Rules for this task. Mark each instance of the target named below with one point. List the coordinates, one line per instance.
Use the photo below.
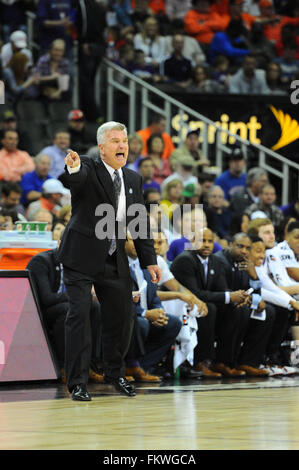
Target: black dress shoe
(79, 393)
(122, 386)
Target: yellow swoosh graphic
(289, 128)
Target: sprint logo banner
(289, 128)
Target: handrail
(168, 101)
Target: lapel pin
(212, 271)
(130, 190)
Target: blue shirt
(31, 182)
(230, 183)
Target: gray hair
(109, 126)
(255, 174)
(212, 189)
(38, 157)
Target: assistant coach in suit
(92, 259)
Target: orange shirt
(157, 6)
(220, 6)
(13, 165)
(203, 26)
(168, 144)
(273, 31)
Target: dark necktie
(117, 188)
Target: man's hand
(192, 300)
(239, 297)
(157, 316)
(72, 159)
(155, 272)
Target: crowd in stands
(249, 240)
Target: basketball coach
(91, 260)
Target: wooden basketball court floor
(227, 414)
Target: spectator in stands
(53, 70)
(14, 163)
(55, 20)
(10, 122)
(52, 192)
(191, 220)
(157, 125)
(158, 330)
(171, 196)
(17, 43)
(143, 70)
(261, 48)
(150, 41)
(206, 181)
(234, 178)
(190, 148)
(12, 17)
(10, 198)
(274, 79)
(81, 138)
(31, 183)
(201, 23)
(16, 78)
(220, 72)
(57, 231)
(248, 80)
(147, 170)
(252, 333)
(200, 272)
(47, 274)
(162, 170)
(218, 216)
(239, 223)
(57, 152)
(289, 65)
(266, 204)
(191, 48)
(184, 171)
(177, 68)
(244, 197)
(7, 219)
(230, 42)
(235, 12)
(273, 23)
(65, 213)
(44, 215)
(135, 147)
(201, 82)
(125, 60)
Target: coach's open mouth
(120, 154)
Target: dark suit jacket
(188, 270)
(80, 249)
(152, 298)
(46, 275)
(234, 278)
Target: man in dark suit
(252, 334)
(157, 329)
(47, 274)
(200, 272)
(91, 256)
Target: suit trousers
(115, 296)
